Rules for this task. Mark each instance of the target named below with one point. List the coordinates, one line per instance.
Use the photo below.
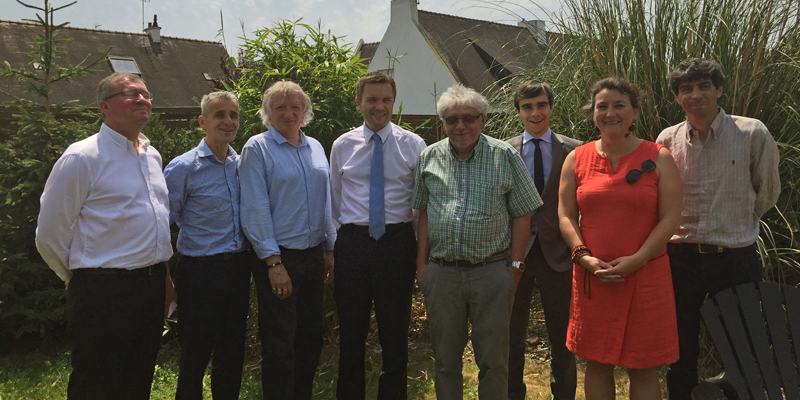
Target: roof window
(124, 64)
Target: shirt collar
(546, 137)
(475, 150)
(204, 151)
(716, 125)
(121, 141)
(281, 140)
(383, 133)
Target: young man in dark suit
(548, 257)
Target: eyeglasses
(635, 174)
(133, 94)
(467, 118)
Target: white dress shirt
(351, 159)
(105, 206)
(729, 181)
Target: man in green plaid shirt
(475, 198)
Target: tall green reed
(757, 43)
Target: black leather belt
(364, 229)
(118, 271)
(707, 248)
(217, 257)
(467, 264)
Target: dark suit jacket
(544, 221)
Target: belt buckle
(717, 249)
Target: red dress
(630, 324)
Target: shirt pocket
(488, 202)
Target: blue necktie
(538, 166)
(377, 213)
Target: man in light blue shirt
(213, 276)
(286, 215)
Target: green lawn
(37, 376)
(43, 375)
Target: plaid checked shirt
(471, 202)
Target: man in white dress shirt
(104, 229)
(372, 180)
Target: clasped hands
(613, 271)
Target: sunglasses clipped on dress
(635, 174)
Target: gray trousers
(482, 296)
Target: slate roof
(368, 51)
(175, 77)
(481, 54)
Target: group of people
(624, 238)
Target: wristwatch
(518, 265)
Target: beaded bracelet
(578, 252)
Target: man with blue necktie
(548, 256)
(372, 180)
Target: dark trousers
(555, 289)
(213, 299)
(115, 324)
(382, 272)
(695, 275)
(291, 329)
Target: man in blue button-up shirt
(213, 277)
(286, 215)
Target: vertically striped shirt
(729, 181)
(470, 203)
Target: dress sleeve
(764, 157)
(256, 215)
(175, 176)
(523, 196)
(65, 192)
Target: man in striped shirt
(729, 169)
(475, 198)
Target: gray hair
(289, 90)
(459, 95)
(206, 102)
(108, 83)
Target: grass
(38, 376)
(44, 374)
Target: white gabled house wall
(417, 68)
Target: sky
(200, 19)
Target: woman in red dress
(619, 203)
